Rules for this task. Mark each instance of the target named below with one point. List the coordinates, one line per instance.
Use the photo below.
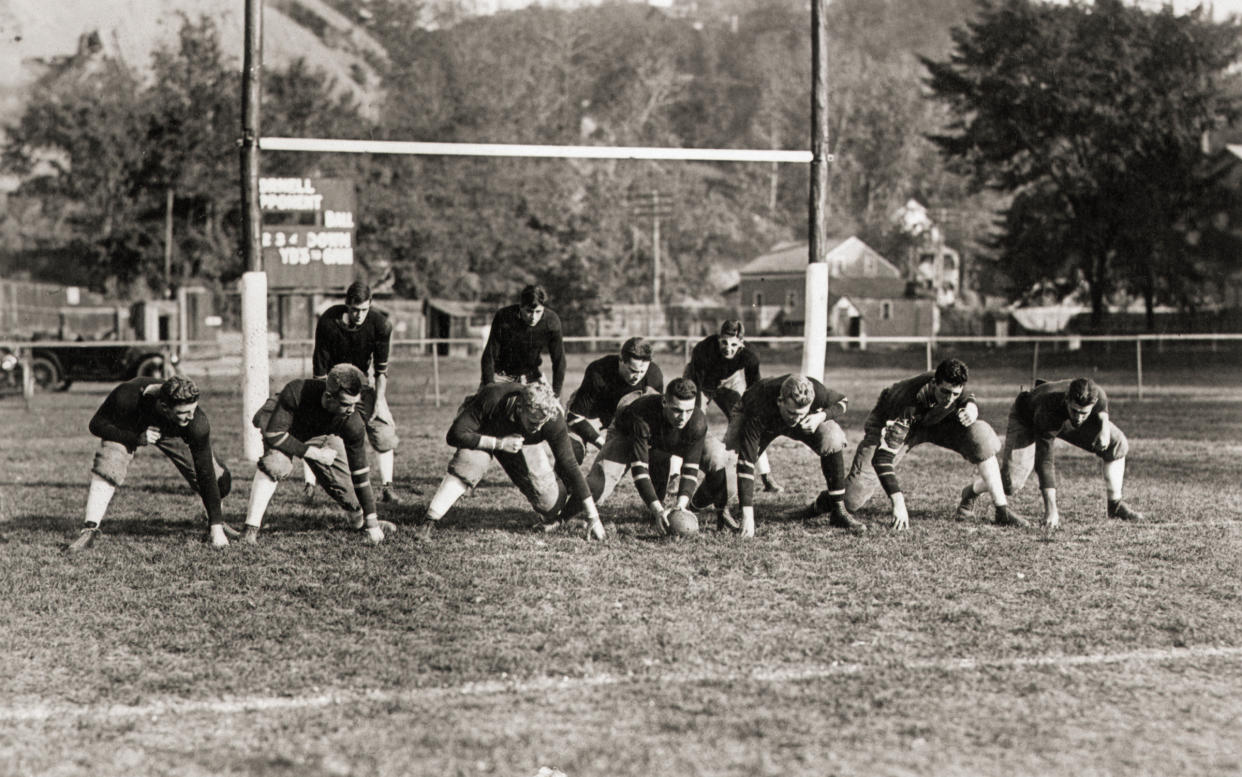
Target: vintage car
(56, 365)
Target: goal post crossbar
(346, 146)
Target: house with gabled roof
(868, 295)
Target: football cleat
(804, 513)
(843, 520)
(230, 532)
(1122, 511)
(966, 507)
(388, 496)
(308, 492)
(1007, 517)
(86, 539)
(726, 521)
(250, 535)
(423, 528)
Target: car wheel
(151, 367)
(45, 372)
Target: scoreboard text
(308, 232)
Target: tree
(1091, 116)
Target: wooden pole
(815, 327)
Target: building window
(886, 311)
(758, 301)
(791, 299)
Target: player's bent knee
(275, 465)
(469, 466)
(111, 463)
(981, 442)
(829, 438)
(1118, 446)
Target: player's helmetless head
(344, 394)
(537, 404)
(531, 304)
(680, 399)
(731, 336)
(1080, 401)
(635, 360)
(950, 381)
(357, 303)
(178, 400)
(797, 396)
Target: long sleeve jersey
(363, 346)
(130, 409)
(644, 423)
(910, 403)
(761, 420)
(708, 368)
(513, 346)
(493, 412)
(1043, 410)
(602, 388)
(299, 416)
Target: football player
(166, 414)
(320, 420)
(518, 335)
(606, 380)
(932, 407)
(1072, 410)
(723, 367)
(507, 422)
(651, 435)
(359, 334)
(801, 409)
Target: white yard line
(248, 704)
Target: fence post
(435, 369)
(928, 345)
(686, 348)
(1035, 364)
(1138, 361)
(28, 381)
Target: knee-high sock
(989, 472)
(98, 497)
(449, 491)
(833, 468)
(308, 474)
(261, 492)
(1114, 475)
(385, 459)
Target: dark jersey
(602, 388)
(643, 422)
(493, 412)
(708, 368)
(913, 400)
(513, 347)
(1044, 412)
(762, 421)
(130, 409)
(299, 416)
(364, 346)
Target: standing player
(518, 335)
(723, 367)
(801, 409)
(319, 420)
(507, 422)
(358, 334)
(1075, 411)
(930, 407)
(649, 437)
(605, 382)
(147, 411)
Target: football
(682, 523)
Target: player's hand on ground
(595, 529)
(1052, 521)
(320, 455)
(901, 518)
(150, 437)
(660, 516)
(748, 524)
(510, 444)
(968, 414)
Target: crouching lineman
(320, 420)
(606, 380)
(650, 435)
(507, 422)
(801, 409)
(1075, 411)
(147, 411)
(930, 407)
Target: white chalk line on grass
(43, 712)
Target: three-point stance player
(166, 414)
(1075, 411)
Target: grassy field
(955, 648)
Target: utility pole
(816, 324)
(255, 368)
(655, 205)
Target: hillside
(36, 34)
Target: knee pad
(1118, 446)
(275, 465)
(829, 438)
(383, 440)
(982, 442)
(111, 463)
